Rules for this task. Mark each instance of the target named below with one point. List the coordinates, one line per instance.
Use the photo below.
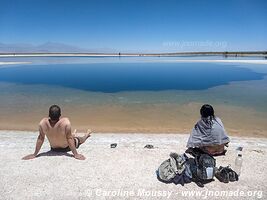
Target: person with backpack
(208, 139)
(208, 134)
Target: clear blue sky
(137, 25)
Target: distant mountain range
(53, 47)
(49, 47)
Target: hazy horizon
(54, 47)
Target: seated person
(208, 135)
(58, 132)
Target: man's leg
(81, 139)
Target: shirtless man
(58, 132)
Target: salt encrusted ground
(126, 172)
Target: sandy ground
(126, 172)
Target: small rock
(149, 146)
(113, 145)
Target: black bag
(226, 174)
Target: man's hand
(28, 157)
(79, 157)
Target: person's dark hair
(207, 111)
(54, 112)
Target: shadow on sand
(54, 153)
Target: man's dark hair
(54, 112)
(207, 111)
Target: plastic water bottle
(238, 164)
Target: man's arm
(39, 143)
(71, 143)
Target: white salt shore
(14, 63)
(125, 172)
(260, 62)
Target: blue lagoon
(134, 94)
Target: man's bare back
(56, 133)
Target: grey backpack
(205, 167)
(173, 166)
